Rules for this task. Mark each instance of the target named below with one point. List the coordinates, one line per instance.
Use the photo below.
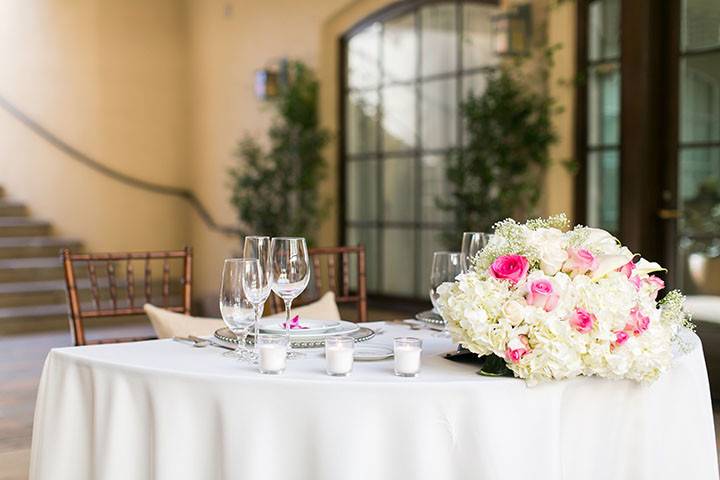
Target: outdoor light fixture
(513, 30)
(269, 80)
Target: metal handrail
(121, 177)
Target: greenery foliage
(275, 191)
(498, 174)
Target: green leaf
(495, 366)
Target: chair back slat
(176, 299)
(148, 280)
(317, 273)
(130, 279)
(166, 282)
(93, 284)
(332, 279)
(346, 274)
(345, 292)
(112, 282)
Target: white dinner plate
(369, 353)
(344, 328)
(310, 326)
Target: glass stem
(288, 303)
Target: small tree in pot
(275, 192)
(498, 173)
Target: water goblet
(445, 267)
(290, 271)
(235, 306)
(472, 243)
(258, 247)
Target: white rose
(514, 312)
(552, 249)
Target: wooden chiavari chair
(331, 272)
(115, 305)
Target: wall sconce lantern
(513, 31)
(269, 80)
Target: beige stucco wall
(110, 78)
(163, 89)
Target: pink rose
(656, 284)
(627, 269)
(517, 348)
(582, 320)
(510, 267)
(580, 260)
(542, 294)
(638, 322)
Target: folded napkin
(170, 324)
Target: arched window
(405, 72)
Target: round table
(166, 410)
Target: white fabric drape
(165, 410)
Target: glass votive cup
(272, 353)
(339, 355)
(407, 352)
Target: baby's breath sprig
(510, 238)
(672, 309)
(559, 221)
(578, 236)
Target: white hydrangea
(603, 319)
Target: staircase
(32, 286)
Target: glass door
(697, 238)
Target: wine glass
(259, 247)
(235, 306)
(445, 267)
(290, 271)
(472, 243)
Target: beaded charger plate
(429, 316)
(362, 334)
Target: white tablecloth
(165, 410)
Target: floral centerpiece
(554, 303)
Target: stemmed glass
(235, 306)
(290, 269)
(445, 267)
(259, 248)
(472, 243)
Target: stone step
(31, 269)
(30, 247)
(41, 318)
(52, 292)
(9, 208)
(23, 227)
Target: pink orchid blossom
(580, 261)
(510, 267)
(620, 338)
(638, 322)
(294, 324)
(656, 284)
(627, 269)
(636, 281)
(517, 348)
(582, 320)
(542, 294)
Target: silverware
(199, 342)
(193, 340)
(417, 325)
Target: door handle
(668, 213)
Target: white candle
(407, 360)
(273, 358)
(338, 359)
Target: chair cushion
(324, 308)
(170, 324)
